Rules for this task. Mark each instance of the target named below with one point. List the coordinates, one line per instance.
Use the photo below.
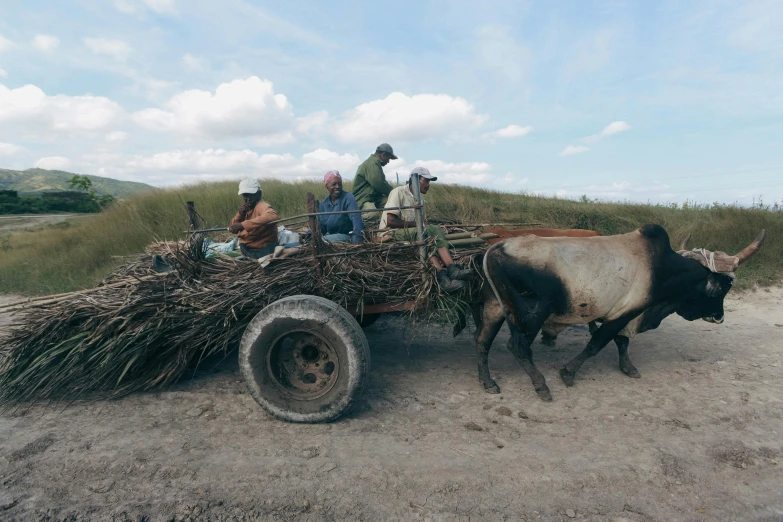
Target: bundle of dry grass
(141, 330)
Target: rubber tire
(332, 322)
(367, 320)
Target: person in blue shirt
(337, 227)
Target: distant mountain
(40, 180)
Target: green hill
(40, 180)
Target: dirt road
(698, 437)
(20, 222)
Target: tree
(84, 183)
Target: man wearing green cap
(370, 187)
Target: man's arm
(253, 223)
(395, 221)
(240, 216)
(235, 226)
(377, 180)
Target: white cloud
(5, 43)
(311, 122)
(117, 49)
(53, 163)
(620, 191)
(615, 127)
(512, 131)
(594, 52)
(180, 166)
(157, 6)
(241, 108)
(162, 6)
(573, 149)
(28, 107)
(9, 149)
(496, 49)
(116, 137)
(192, 63)
(3, 73)
(465, 173)
(755, 25)
(399, 117)
(125, 6)
(45, 42)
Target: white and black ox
(629, 283)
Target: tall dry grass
(59, 259)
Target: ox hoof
(491, 387)
(568, 377)
(544, 394)
(548, 341)
(631, 371)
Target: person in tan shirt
(253, 222)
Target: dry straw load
(141, 329)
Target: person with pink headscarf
(339, 227)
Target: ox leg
(519, 346)
(605, 333)
(548, 340)
(490, 326)
(626, 366)
(593, 327)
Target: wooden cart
(306, 358)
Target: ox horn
(684, 243)
(752, 248)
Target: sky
(662, 102)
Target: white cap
(248, 186)
(423, 173)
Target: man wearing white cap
(370, 187)
(253, 222)
(403, 228)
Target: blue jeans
(337, 238)
(257, 253)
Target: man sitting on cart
(338, 227)
(253, 222)
(401, 225)
(370, 187)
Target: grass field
(67, 257)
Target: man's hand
(236, 228)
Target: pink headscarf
(329, 176)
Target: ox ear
(752, 248)
(684, 243)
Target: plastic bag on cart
(287, 238)
(220, 248)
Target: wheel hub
(303, 364)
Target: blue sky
(643, 101)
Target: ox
(628, 282)
(540, 232)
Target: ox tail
(489, 277)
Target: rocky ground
(698, 437)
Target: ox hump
(656, 234)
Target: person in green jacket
(370, 187)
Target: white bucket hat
(248, 186)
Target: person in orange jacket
(253, 222)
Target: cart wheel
(304, 359)
(367, 319)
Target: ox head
(706, 299)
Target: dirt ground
(14, 223)
(698, 437)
